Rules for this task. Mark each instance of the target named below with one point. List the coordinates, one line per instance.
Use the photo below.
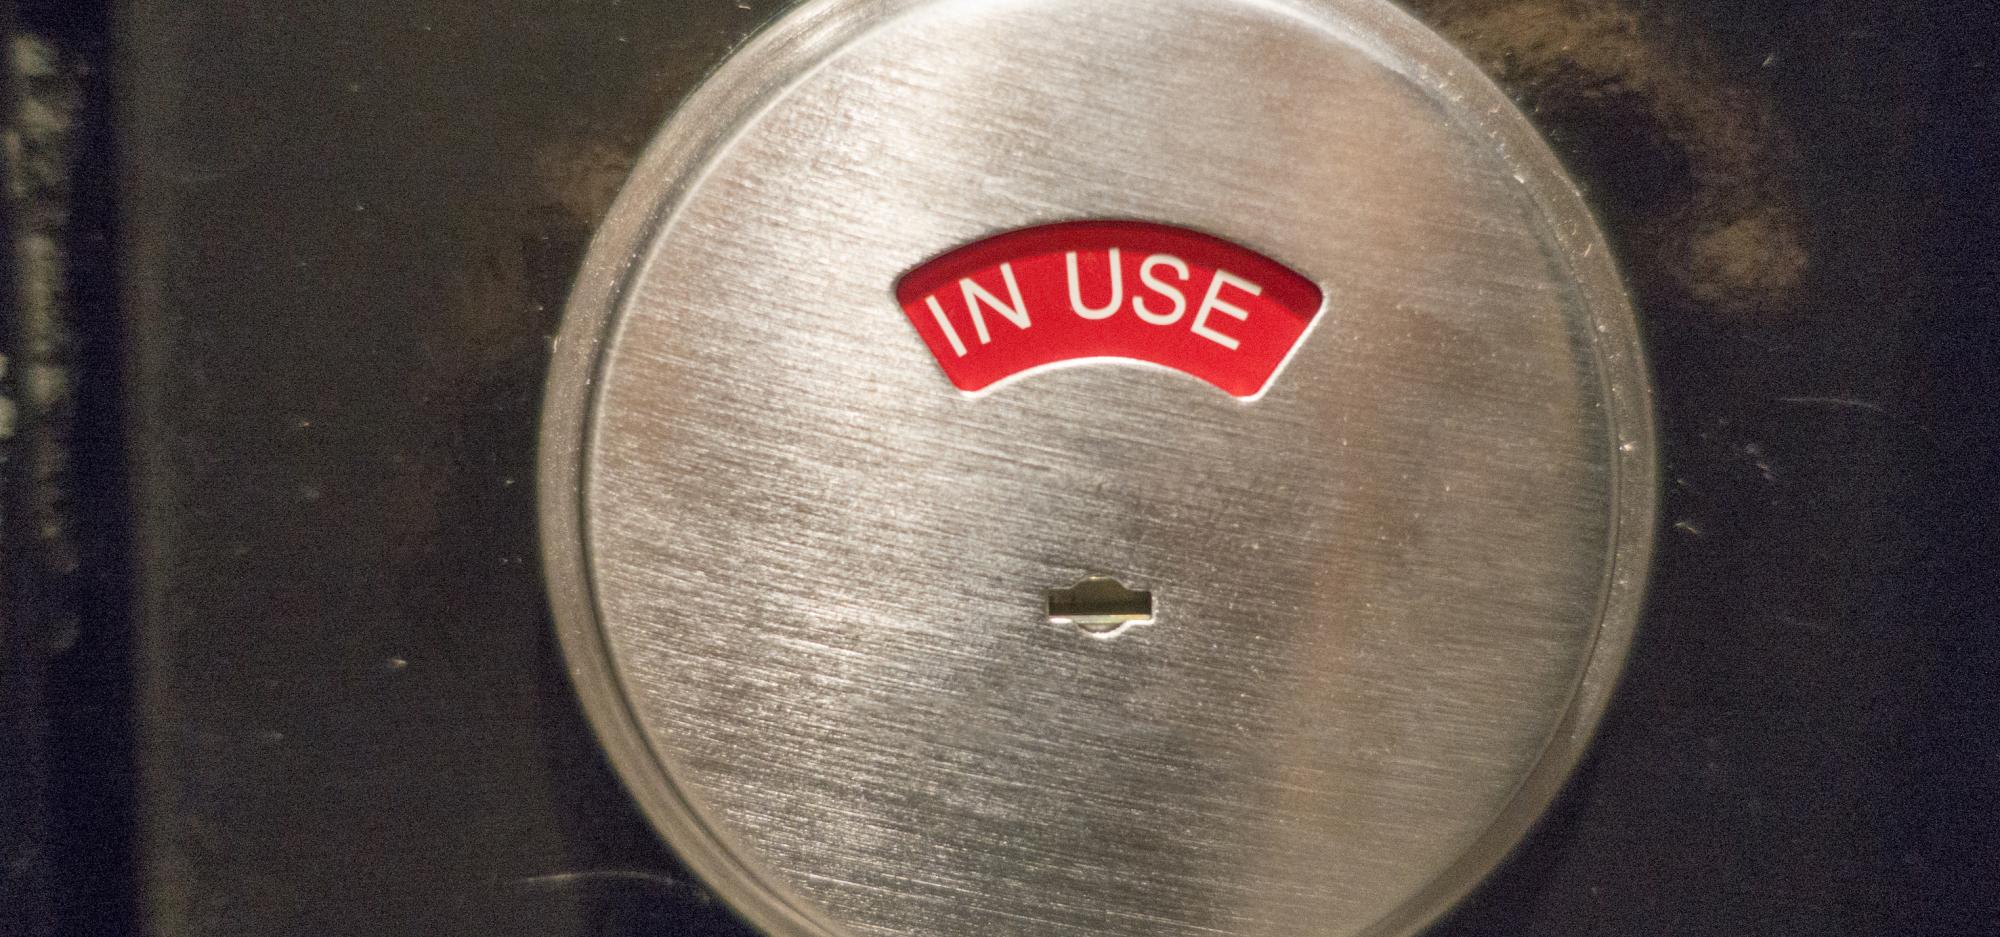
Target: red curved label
(1031, 298)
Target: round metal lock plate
(921, 579)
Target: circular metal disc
(817, 598)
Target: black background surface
(345, 234)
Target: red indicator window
(1092, 290)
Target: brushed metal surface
(802, 581)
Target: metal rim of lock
(793, 52)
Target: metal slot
(1101, 606)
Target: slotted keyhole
(1100, 606)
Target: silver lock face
(1035, 606)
